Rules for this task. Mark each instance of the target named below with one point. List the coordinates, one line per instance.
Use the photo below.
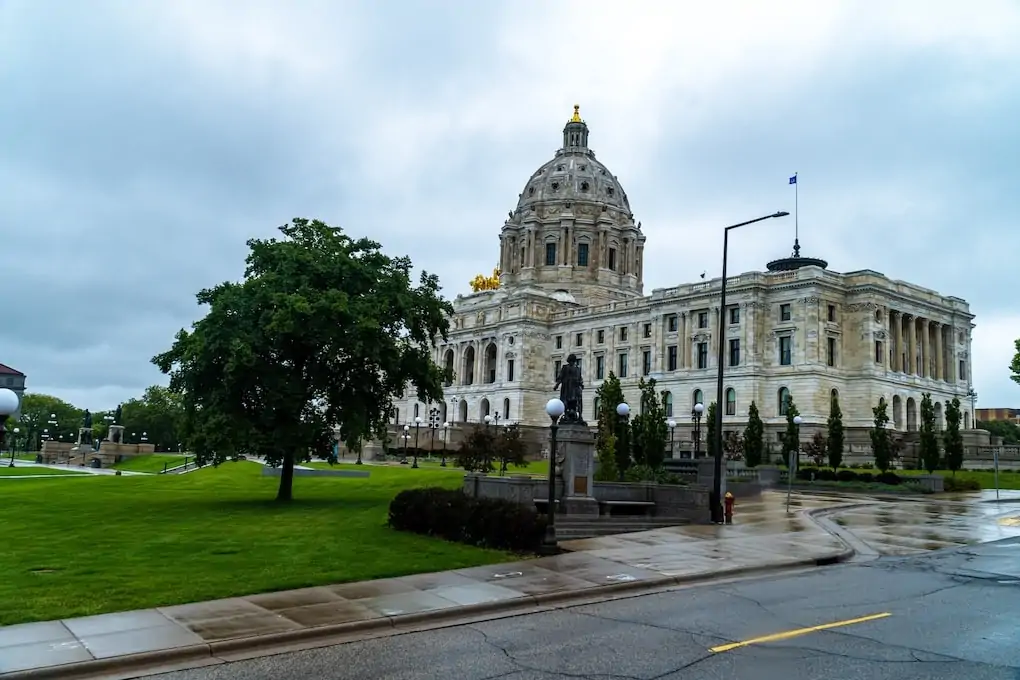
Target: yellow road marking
(1010, 521)
(786, 635)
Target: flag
(793, 180)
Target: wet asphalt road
(952, 614)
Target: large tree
(1008, 430)
(159, 414)
(929, 441)
(649, 429)
(323, 331)
(836, 435)
(754, 438)
(881, 442)
(613, 430)
(952, 440)
(37, 410)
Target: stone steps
(590, 528)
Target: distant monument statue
(117, 415)
(87, 420)
(570, 385)
(85, 431)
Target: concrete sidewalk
(125, 644)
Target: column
(951, 356)
(940, 357)
(926, 348)
(898, 338)
(908, 362)
(714, 345)
(682, 345)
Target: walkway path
(79, 470)
(763, 538)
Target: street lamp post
(14, 445)
(8, 406)
(671, 424)
(554, 408)
(715, 499)
(446, 435)
(433, 425)
(417, 427)
(407, 435)
(793, 462)
(487, 419)
(696, 412)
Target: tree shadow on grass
(273, 506)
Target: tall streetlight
(488, 420)
(671, 424)
(417, 427)
(554, 408)
(14, 445)
(407, 435)
(446, 435)
(696, 412)
(715, 500)
(793, 462)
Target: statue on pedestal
(570, 385)
(117, 415)
(85, 433)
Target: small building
(13, 379)
(1011, 415)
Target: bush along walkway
(762, 538)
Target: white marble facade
(571, 259)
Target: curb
(321, 636)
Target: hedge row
(455, 516)
(890, 478)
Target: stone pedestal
(116, 434)
(577, 444)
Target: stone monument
(577, 444)
(116, 433)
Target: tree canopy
(881, 442)
(323, 331)
(613, 433)
(649, 430)
(929, 441)
(952, 440)
(754, 437)
(1014, 367)
(835, 433)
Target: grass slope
(77, 547)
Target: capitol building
(571, 281)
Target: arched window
(483, 409)
(506, 409)
(731, 402)
(596, 407)
(698, 399)
(667, 403)
(784, 401)
(416, 410)
(834, 394)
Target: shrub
(847, 476)
(455, 516)
(889, 478)
(865, 477)
(646, 473)
(807, 473)
(825, 476)
(958, 484)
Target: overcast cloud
(143, 142)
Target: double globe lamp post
(554, 408)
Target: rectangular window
(878, 352)
(702, 355)
(734, 315)
(623, 334)
(832, 313)
(550, 254)
(582, 254)
(735, 352)
(600, 337)
(580, 367)
(830, 357)
(510, 370)
(557, 365)
(671, 323)
(578, 339)
(671, 354)
(784, 313)
(646, 330)
(963, 370)
(623, 365)
(600, 367)
(646, 362)
(785, 346)
(559, 342)
(702, 319)
(612, 259)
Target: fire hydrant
(728, 507)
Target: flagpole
(796, 211)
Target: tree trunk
(286, 491)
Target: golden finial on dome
(577, 114)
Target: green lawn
(118, 543)
(986, 478)
(538, 468)
(153, 462)
(23, 471)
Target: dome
(574, 175)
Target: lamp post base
(715, 507)
(549, 544)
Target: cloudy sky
(143, 142)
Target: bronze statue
(570, 385)
(87, 420)
(116, 416)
